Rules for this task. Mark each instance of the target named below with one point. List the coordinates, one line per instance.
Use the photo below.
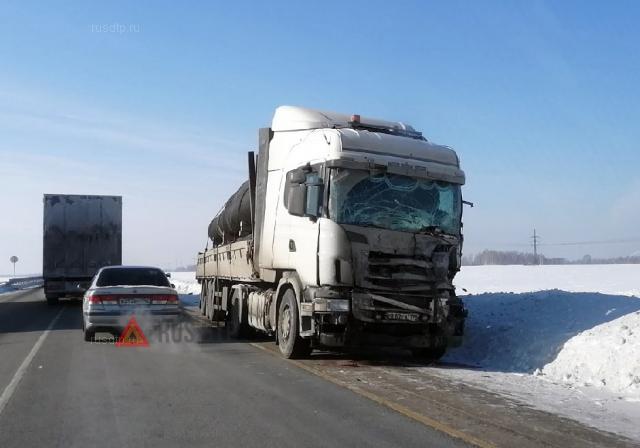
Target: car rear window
(133, 277)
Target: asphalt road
(58, 390)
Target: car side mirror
(168, 274)
(173, 286)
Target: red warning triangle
(132, 336)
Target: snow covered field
(619, 279)
(564, 339)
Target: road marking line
(11, 387)
(427, 421)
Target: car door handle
(292, 246)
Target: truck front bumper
(363, 318)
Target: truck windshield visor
(394, 202)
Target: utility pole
(535, 238)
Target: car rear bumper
(117, 319)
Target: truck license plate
(411, 317)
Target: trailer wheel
(203, 300)
(52, 299)
(237, 318)
(291, 344)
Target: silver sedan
(119, 292)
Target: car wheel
(89, 335)
(291, 344)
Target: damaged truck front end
(388, 254)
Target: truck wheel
(291, 344)
(202, 305)
(237, 326)
(52, 299)
(204, 294)
(429, 354)
(209, 312)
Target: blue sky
(159, 102)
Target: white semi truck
(348, 232)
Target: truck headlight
(323, 305)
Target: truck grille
(392, 271)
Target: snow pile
(187, 286)
(578, 339)
(185, 282)
(523, 332)
(606, 356)
(607, 279)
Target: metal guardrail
(22, 283)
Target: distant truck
(348, 232)
(81, 234)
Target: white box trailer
(347, 232)
(81, 234)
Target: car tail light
(168, 299)
(104, 299)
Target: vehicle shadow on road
(35, 315)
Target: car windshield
(132, 277)
(394, 202)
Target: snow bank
(564, 339)
(579, 339)
(524, 332)
(187, 286)
(185, 282)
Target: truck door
(302, 229)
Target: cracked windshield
(394, 202)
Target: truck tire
(429, 354)
(209, 311)
(202, 304)
(237, 320)
(291, 344)
(52, 299)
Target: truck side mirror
(314, 199)
(297, 199)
